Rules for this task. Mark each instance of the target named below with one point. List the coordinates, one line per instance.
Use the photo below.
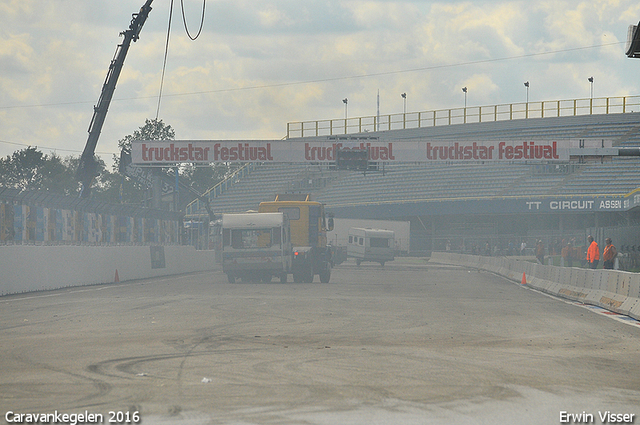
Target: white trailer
(340, 234)
(256, 246)
(374, 245)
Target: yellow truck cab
(309, 227)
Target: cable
(184, 19)
(164, 64)
(166, 47)
(378, 74)
(50, 148)
(296, 83)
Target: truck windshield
(251, 238)
(293, 213)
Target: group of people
(608, 255)
(568, 249)
(569, 253)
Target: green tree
(115, 188)
(21, 169)
(30, 169)
(126, 190)
(58, 175)
(151, 130)
(202, 178)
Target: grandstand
(487, 194)
(244, 191)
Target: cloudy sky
(261, 64)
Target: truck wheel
(231, 278)
(382, 263)
(358, 262)
(308, 278)
(266, 277)
(325, 275)
(283, 278)
(297, 277)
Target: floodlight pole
(590, 79)
(346, 102)
(526, 84)
(464, 89)
(404, 110)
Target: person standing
(593, 253)
(540, 252)
(609, 254)
(567, 254)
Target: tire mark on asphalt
(103, 388)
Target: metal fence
(43, 218)
(472, 114)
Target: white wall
(25, 268)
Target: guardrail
(473, 114)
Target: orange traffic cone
(524, 279)
(116, 278)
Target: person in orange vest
(593, 253)
(609, 254)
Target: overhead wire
(396, 72)
(50, 148)
(332, 79)
(164, 63)
(166, 47)
(184, 19)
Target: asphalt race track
(403, 344)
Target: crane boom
(87, 168)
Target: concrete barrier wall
(25, 268)
(611, 289)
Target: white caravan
(374, 245)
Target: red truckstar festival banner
(153, 152)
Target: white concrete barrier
(26, 268)
(611, 289)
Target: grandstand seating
(413, 182)
(261, 185)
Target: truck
(374, 245)
(309, 226)
(256, 246)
